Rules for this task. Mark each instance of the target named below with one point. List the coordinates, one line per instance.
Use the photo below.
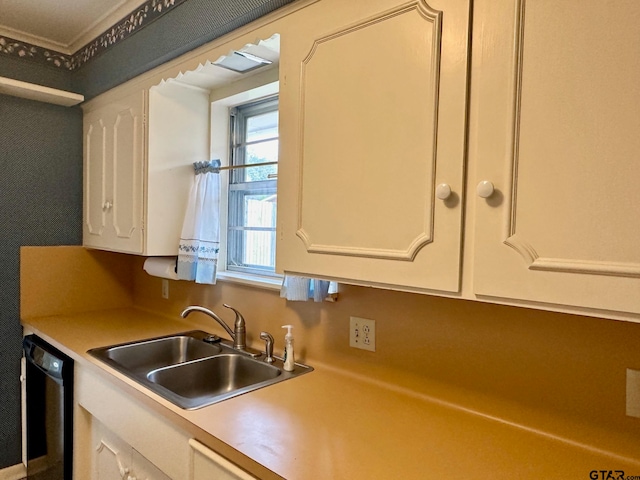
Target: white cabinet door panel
(208, 465)
(555, 127)
(112, 457)
(114, 142)
(376, 121)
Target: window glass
(262, 127)
(253, 189)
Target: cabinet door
(145, 470)
(373, 108)
(98, 165)
(112, 457)
(554, 127)
(114, 140)
(208, 465)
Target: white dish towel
(200, 238)
(302, 289)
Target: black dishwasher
(49, 392)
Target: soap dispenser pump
(289, 358)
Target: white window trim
(268, 283)
(221, 102)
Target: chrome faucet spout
(238, 334)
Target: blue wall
(26, 71)
(40, 204)
(41, 160)
(187, 26)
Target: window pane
(260, 153)
(252, 194)
(260, 211)
(260, 247)
(261, 127)
(252, 225)
(258, 252)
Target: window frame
(238, 187)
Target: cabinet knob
(107, 205)
(443, 191)
(485, 189)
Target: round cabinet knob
(107, 205)
(443, 191)
(485, 189)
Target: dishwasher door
(49, 392)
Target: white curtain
(200, 238)
(302, 289)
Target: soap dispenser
(289, 358)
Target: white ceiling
(61, 25)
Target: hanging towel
(200, 238)
(302, 289)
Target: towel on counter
(302, 289)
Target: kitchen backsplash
(562, 374)
(552, 363)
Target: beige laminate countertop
(333, 425)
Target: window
(251, 227)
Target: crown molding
(27, 38)
(102, 24)
(33, 48)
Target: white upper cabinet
(555, 128)
(389, 113)
(373, 109)
(138, 173)
(114, 136)
(141, 140)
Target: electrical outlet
(362, 333)
(633, 393)
(165, 288)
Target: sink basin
(142, 357)
(192, 373)
(213, 378)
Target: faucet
(238, 334)
(268, 347)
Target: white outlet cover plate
(362, 333)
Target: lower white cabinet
(208, 465)
(115, 459)
(117, 438)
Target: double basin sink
(191, 372)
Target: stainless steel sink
(142, 357)
(192, 373)
(216, 377)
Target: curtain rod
(249, 165)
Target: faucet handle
(268, 347)
(239, 330)
(239, 318)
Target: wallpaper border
(132, 23)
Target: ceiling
(61, 25)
